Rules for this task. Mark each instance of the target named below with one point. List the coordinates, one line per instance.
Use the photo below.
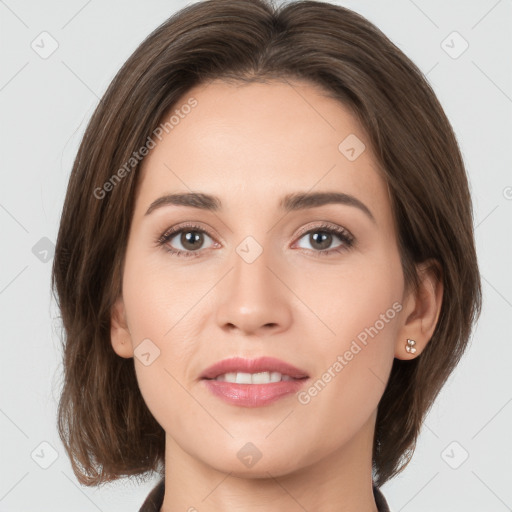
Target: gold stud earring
(410, 346)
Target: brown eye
(191, 240)
(184, 241)
(321, 239)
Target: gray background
(45, 104)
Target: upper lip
(262, 364)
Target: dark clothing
(155, 499)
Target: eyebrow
(290, 202)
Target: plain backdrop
(463, 457)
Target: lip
(262, 364)
(253, 395)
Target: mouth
(264, 370)
(254, 378)
(253, 382)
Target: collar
(155, 499)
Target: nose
(253, 298)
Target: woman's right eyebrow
(290, 202)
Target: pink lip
(253, 395)
(262, 364)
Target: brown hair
(103, 421)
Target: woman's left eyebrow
(290, 202)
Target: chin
(261, 469)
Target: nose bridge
(251, 274)
(252, 297)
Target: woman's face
(255, 278)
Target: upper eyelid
(324, 225)
(172, 231)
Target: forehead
(250, 142)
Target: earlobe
(120, 336)
(422, 310)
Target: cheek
(157, 308)
(359, 302)
(365, 316)
(367, 312)
(156, 297)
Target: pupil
(325, 242)
(188, 237)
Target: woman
(265, 264)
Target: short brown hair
(103, 421)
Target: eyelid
(190, 225)
(302, 231)
(324, 224)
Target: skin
(250, 145)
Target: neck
(338, 482)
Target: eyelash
(344, 235)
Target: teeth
(253, 378)
(243, 378)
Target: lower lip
(253, 395)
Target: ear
(421, 310)
(120, 336)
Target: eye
(321, 238)
(192, 237)
(191, 240)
